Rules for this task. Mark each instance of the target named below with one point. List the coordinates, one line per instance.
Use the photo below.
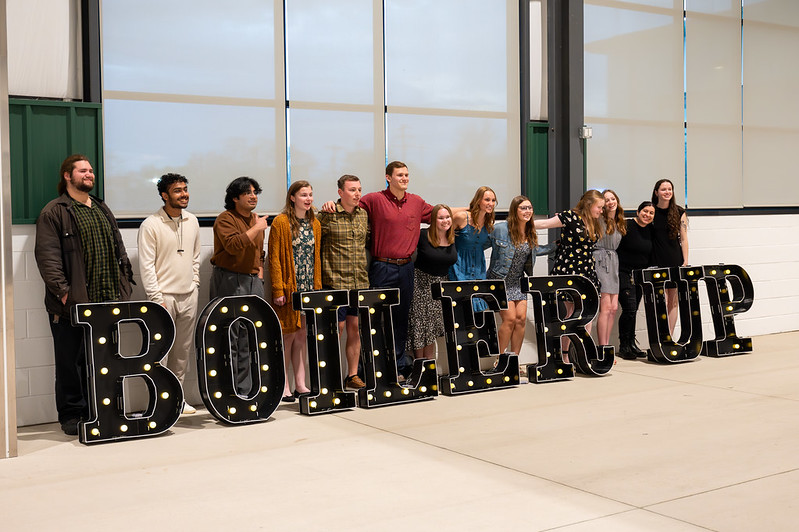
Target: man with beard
(82, 259)
(238, 261)
(169, 264)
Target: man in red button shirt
(395, 216)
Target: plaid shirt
(102, 270)
(344, 237)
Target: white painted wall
(766, 246)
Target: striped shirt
(97, 239)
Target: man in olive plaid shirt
(345, 265)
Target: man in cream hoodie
(169, 264)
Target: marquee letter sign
(472, 335)
(723, 309)
(380, 360)
(214, 366)
(550, 327)
(653, 282)
(324, 352)
(108, 369)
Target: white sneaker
(188, 409)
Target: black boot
(627, 349)
(634, 348)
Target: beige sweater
(163, 269)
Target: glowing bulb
(563, 327)
(123, 428)
(375, 352)
(232, 409)
(378, 374)
(253, 408)
(212, 328)
(336, 401)
(106, 401)
(87, 313)
(360, 298)
(306, 299)
(560, 371)
(265, 367)
(262, 345)
(223, 310)
(320, 337)
(370, 397)
(475, 288)
(147, 367)
(218, 395)
(405, 391)
(458, 289)
(506, 379)
(329, 298)
(373, 332)
(488, 381)
(459, 347)
(95, 432)
(313, 404)
(259, 323)
(210, 350)
(382, 296)
(423, 389)
(116, 311)
(143, 310)
(101, 340)
(570, 283)
(152, 424)
(492, 287)
(157, 336)
(324, 391)
(104, 371)
(264, 389)
(454, 303)
(387, 393)
(470, 383)
(457, 325)
(371, 310)
(212, 373)
(165, 395)
(470, 335)
(549, 283)
(461, 369)
(322, 364)
(318, 310)
(245, 308)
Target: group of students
(596, 241)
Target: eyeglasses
(526, 208)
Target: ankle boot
(626, 349)
(635, 349)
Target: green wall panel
(538, 166)
(42, 134)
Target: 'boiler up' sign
(470, 337)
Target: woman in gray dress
(613, 227)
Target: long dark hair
(673, 212)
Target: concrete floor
(708, 445)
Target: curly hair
(237, 187)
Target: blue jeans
(385, 275)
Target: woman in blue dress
(472, 229)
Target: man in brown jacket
(82, 259)
(238, 261)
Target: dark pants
(226, 283)
(385, 275)
(629, 299)
(70, 370)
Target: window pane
(448, 54)
(144, 140)
(329, 51)
(197, 47)
(327, 144)
(449, 157)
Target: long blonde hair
(520, 234)
(432, 231)
(474, 208)
(583, 209)
(617, 222)
(288, 209)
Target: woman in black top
(435, 253)
(635, 250)
(669, 238)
